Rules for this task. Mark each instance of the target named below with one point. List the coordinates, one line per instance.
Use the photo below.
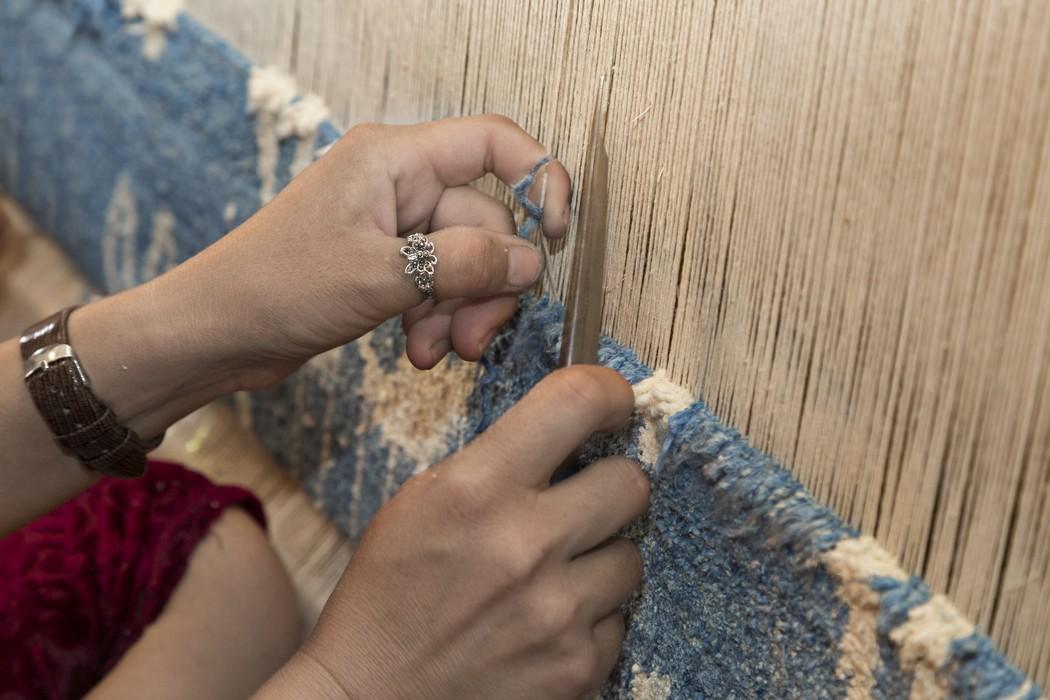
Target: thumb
(472, 263)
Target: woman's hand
(317, 267)
(479, 579)
(320, 265)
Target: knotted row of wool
(137, 138)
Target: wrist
(303, 677)
(148, 357)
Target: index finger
(535, 436)
(463, 149)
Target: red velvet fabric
(79, 585)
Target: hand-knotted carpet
(137, 137)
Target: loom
(828, 278)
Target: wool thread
(533, 211)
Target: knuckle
(580, 385)
(501, 120)
(534, 548)
(552, 615)
(515, 557)
(518, 559)
(482, 256)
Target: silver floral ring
(421, 262)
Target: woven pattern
(137, 150)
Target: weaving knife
(583, 300)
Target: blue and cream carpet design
(138, 139)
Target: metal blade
(583, 300)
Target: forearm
(34, 475)
(146, 357)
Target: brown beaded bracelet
(83, 425)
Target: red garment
(79, 585)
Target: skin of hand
(478, 579)
(320, 265)
(481, 580)
(317, 267)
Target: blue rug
(139, 141)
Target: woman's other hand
(479, 579)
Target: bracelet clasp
(50, 354)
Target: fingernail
(523, 266)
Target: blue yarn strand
(533, 211)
